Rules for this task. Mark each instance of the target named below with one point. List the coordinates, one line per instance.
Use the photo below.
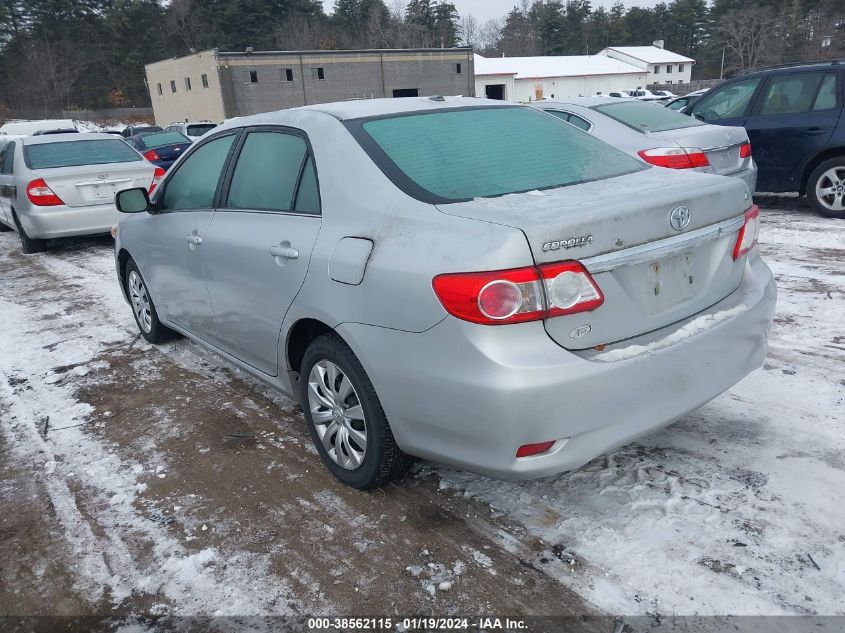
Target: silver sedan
(660, 136)
(455, 279)
(61, 185)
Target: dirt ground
(156, 480)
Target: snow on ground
(738, 508)
(40, 370)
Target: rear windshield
(199, 130)
(151, 141)
(75, 153)
(456, 155)
(647, 117)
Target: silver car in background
(455, 279)
(660, 136)
(62, 185)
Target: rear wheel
(29, 245)
(345, 417)
(4, 228)
(826, 188)
(143, 308)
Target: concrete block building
(214, 85)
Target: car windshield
(461, 154)
(75, 153)
(200, 129)
(151, 141)
(646, 117)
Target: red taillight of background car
(158, 174)
(520, 294)
(41, 195)
(745, 150)
(675, 157)
(748, 234)
(151, 154)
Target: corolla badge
(569, 242)
(679, 218)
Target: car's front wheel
(143, 308)
(826, 188)
(345, 417)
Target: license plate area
(103, 192)
(670, 281)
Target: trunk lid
(720, 143)
(171, 152)
(651, 274)
(89, 185)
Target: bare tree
(490, 36)
(469, 30)
(748, 34)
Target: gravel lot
(137, 480)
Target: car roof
(586, 102)
(833, 64)
(57, 138)
(365, 108)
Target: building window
(173, 86)
(668, 68)
(253, 76)
(204, 79)
(187, 84)
(458, 68)
(318, 73)
(288, 74)
(657, 70)
(680, 68)
(160, 91)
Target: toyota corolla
(454, 279)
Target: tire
(143, 308)
(29, 246)
(4, 228)
(826, 188)
(336, 411)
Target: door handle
(284, 252)
(814, 131)
(193, 240)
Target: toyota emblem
(679, 218)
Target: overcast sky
(483, 10)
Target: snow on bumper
(469, 395)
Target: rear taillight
(151, 154)
(41, 195)
(745, 150)
(675, 157)
(748, 234)
(527, 450)
(158, 174)
(520, 294)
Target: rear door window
(459, 154)
(76, 153)
(646, 117)
(7, 158)
(826, 99)
(267, 172)
(727, 102)
(790, 94)
(195, 182)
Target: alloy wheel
(140, 302)
(830, 189)
(337, 415)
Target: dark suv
(793, 115)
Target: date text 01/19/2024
(415, 624)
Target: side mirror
(132, 200)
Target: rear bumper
(64, 221)
(469, 395)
